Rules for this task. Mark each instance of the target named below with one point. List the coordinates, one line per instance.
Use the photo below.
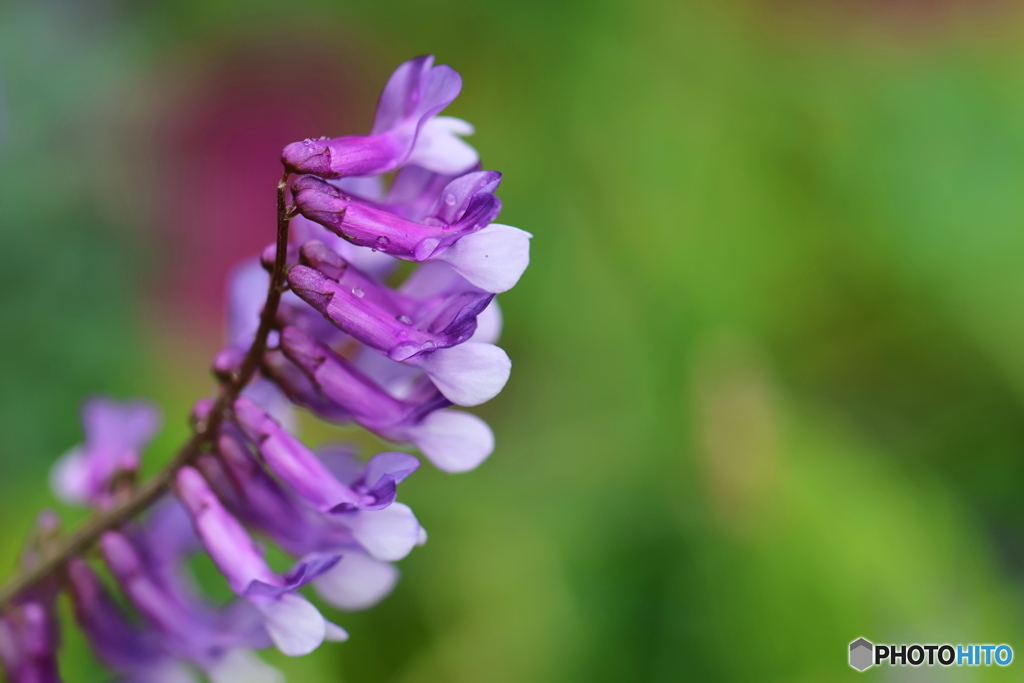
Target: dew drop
(404, 319)
(449, 199)
(382, 242)
(428, 345)
(358, 291)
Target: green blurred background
(768, 393)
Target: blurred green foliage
(769, 356)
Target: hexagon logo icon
(861, 652)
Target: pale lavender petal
(441, 149)
(334, 633)
(357, 582)
(243, 666)
(453, 440)
(488, 324)
(115, 433)
(492, 259)
(389, 534)
(468, 374)
(247, 292)
(70, 477)
(294, 624)
(120, 426)
(398, 99)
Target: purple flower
(454, 441)
(404, 130)
(28, 643)
(295, 464)
(344, 343)
(366, 539)
(294, 624)
(474, 207)
(427, 331)
(115, 433)
(450, 223)
(133, 652)
(149, 564)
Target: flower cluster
(347, 343)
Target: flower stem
(148, 493)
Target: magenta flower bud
(295, 626)
(414, 94)
(300, 390)
(452, 440)
(295, 464)
(115, 433)
(227, 542)
(29, 639)
(399, 332)
(228, 362)
(120, 645)
(376, 228)
(268, 257)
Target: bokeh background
(768, 393)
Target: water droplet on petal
(358, 291)
(403, 351)
(382, 242)
(428, 345)
(404, 319)
(450, 199)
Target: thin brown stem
(146, 494)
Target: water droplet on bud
(358, 291)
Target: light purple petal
(389, 534)
(334, 633)
(290, 460)
(488, 324)
(272, 400)
(439, 147)
(294, 624)
(70, 477)
(357, 582)
(243, 666)
(468, 374)
(247, 292)
(398, 99)
(492, 259)
(226, 541)
(453, 440)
